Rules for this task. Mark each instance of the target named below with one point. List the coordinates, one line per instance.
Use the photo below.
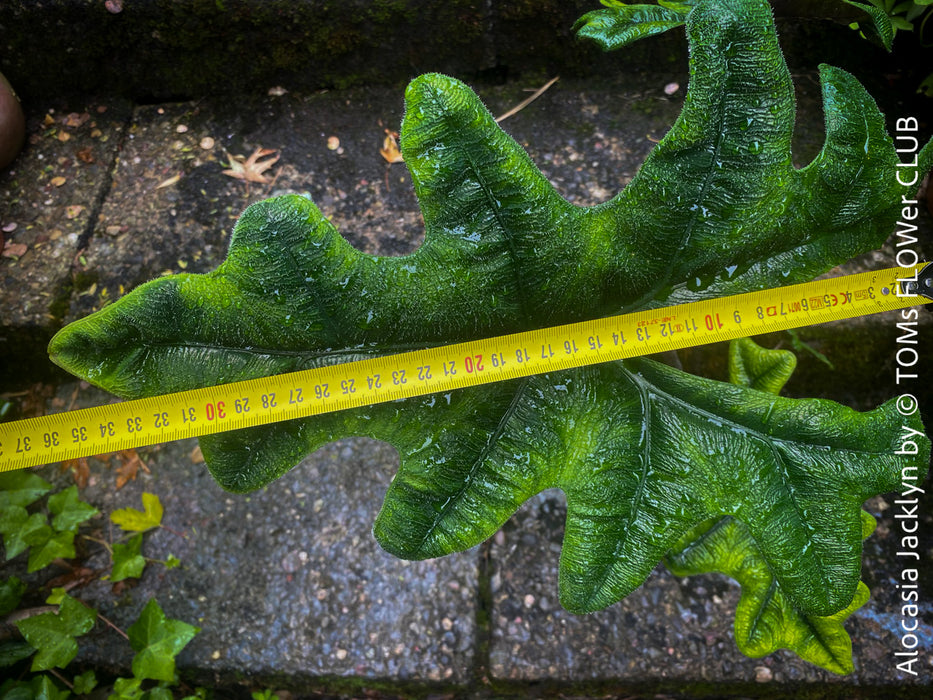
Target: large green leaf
(765, 620)
(644, 453)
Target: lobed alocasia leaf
(766, 620)
(621, 23)
(880, 22)
(759, 368)
(645, 453)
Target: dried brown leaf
(76, 119)
(251, 169)
(130, 464)
(80, 470)
(390, 150)
(13, 250)
(196, 456)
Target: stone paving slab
(674, 633)
(49, 199)
(288, 583)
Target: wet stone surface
(670, 630)
(48, 201)
(288, 582)
(172, 209)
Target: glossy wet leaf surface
(644, 453)
(765, 620)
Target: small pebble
(207, 143)
(763, 674)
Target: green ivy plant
(651, 459)
(50, 637)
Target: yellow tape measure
(185, 414)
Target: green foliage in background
(50, 633)
(888, 17)
(651, 459)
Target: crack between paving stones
(65, 293)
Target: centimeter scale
(158, 419)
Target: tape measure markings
(191, 413)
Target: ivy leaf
(12, 653)
(21, 488)
(16, 523)
(11, 592)
(643, 452)
(128, 561)
(85, 683)
(133, 520)
(53, 634)
(157, 640)
(46, 545)
(127, 689)
(37, 688)
(69, 510)
(22, 530)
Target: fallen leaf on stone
(14, 250)
(86, 155)
(130, 464)
(74, 119)
(63, 136)
(251, 169)
(58, 181)
(168, 183)
(389, 149)
(73, 211)
(80, 470)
